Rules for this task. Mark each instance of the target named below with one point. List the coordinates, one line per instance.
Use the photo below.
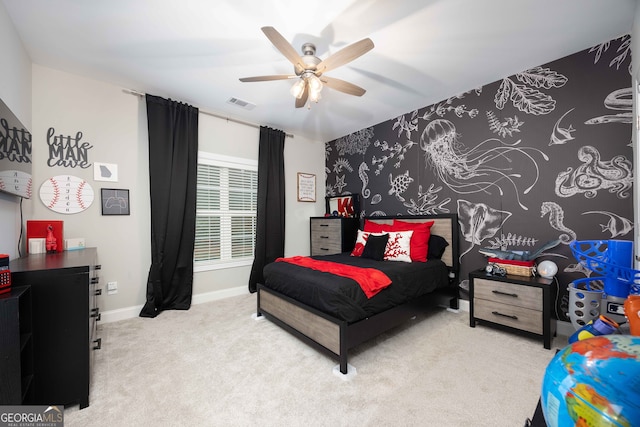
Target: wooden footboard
(333, 336)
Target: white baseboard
(131, 312)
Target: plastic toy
(601, 326)
(632, 311)
(51, 242)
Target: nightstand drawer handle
(505, 294)
(324, 225)
(324, 237)
(497, 313)
(324, 249)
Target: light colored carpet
(214, 365)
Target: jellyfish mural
(485, 167)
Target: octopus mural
(615, 175)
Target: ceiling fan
(309, 69)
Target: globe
(594, 382)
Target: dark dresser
(16, 347)
(64, 314)
(333, 235)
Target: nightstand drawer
(508, 293)
(508, 315)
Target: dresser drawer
(508, 293)
(504, 314)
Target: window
(227, 189)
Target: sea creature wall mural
(538, 156)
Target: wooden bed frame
(335, 336)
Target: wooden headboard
(445, 225)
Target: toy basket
(517, 268)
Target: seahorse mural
(362, 173)
(556, 218)
(477, 169)
(615, 175)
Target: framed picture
(306, 187)
(347, 205)
(115, 201)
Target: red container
(5, 274)
(38, 229)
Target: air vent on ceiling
(241, 103)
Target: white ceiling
(425, 51)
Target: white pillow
(398, 246)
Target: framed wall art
(115, 201)
(306, 187)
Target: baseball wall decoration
(66, 194)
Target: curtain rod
(253, 125)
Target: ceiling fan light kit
(309, 69)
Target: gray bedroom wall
(541, 155)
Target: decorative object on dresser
(16, 347)
(334, 312)
(332, 235)
(347, 205)
(516, 302)
(64, 314)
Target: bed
(332, 313)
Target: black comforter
(342, 297)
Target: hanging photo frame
(115, 201)
(306, 187)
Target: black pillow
(437, 245)
(375, 247)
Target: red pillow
(376, 227)
(419, 239)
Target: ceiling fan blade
(342, 86)
(284, 47)
(300, 102)
(267, 78)
(345, 55)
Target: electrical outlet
(112, 288)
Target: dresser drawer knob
(506, 294)
(497, 313)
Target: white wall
(114, 123)
(15, 91)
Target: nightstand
(515, 302)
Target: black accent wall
(541, 155)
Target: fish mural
(537, 156)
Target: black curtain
(270, 213)
(173, 162)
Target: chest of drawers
(516, 302)
(332, 235)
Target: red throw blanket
(370, 280)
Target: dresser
(514, 302)
(16, 347)
(64, 314)
(333, 235)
